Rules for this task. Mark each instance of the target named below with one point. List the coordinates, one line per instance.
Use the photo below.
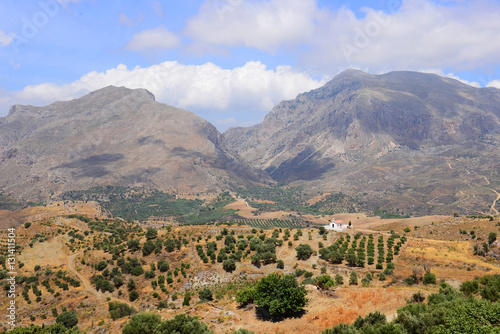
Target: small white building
(336, 225)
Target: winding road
(88, 286)
(495, 201)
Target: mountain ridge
(114, 136)
(358, 124)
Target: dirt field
(16, 218)
(362, 221)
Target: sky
(231, 61)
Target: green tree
(429, 278)
(69, 319)
(206, 294)
(280, 295)
(148, 248)
(353, 279)
(187, 298)
(133, 295)
(492, 237)
(183, 324)
(151, 233)
(142, 323)
(119, 310)
(325, 281)
(304, 251)
(229, 265)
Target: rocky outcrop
(114, 136)
(400, 132)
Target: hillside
(114, 136)
(75, 263)
(413, 142)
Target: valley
(133, 216)
(176, 260)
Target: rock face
(402, 133)
(114, 136)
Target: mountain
(114, 136)
(405, 140)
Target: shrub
(242, 331)
(101, 265)
(417, 297)
(353, 279)
(325, 281)
(492, 237)
(183, 324)
(151, 233)
(409, 280)
(280, 295)
(304, 251)
(119, 310)
(187, 298)
(142, 323)
(229, 265)
(68, 319)
(133, 295)
(429, 278)
(206, 294)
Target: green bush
(429, 278)
(304, 251)
(183, 324)
(229, 265)
(119, 310)
(325, 281)
(133, 295)
(142, 323)
(69, 319)
(280, 295)
(206, 294)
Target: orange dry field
(362, 221)
(325, 311)
(15, 218)
(433, 243)
(245, 210)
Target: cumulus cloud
(264, 25)
(5, 39)
(153, 39)
(418, 34)
(252, 87)
(494, 83)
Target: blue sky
(231, 61)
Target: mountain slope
(114, 136)
(402, 133)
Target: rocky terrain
(406, 143)
(114, 136)
(424, 143)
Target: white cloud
(6, 39)
(264, 25)
(494, 83)
(250, 88)
(153, 39)
(420, 34)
